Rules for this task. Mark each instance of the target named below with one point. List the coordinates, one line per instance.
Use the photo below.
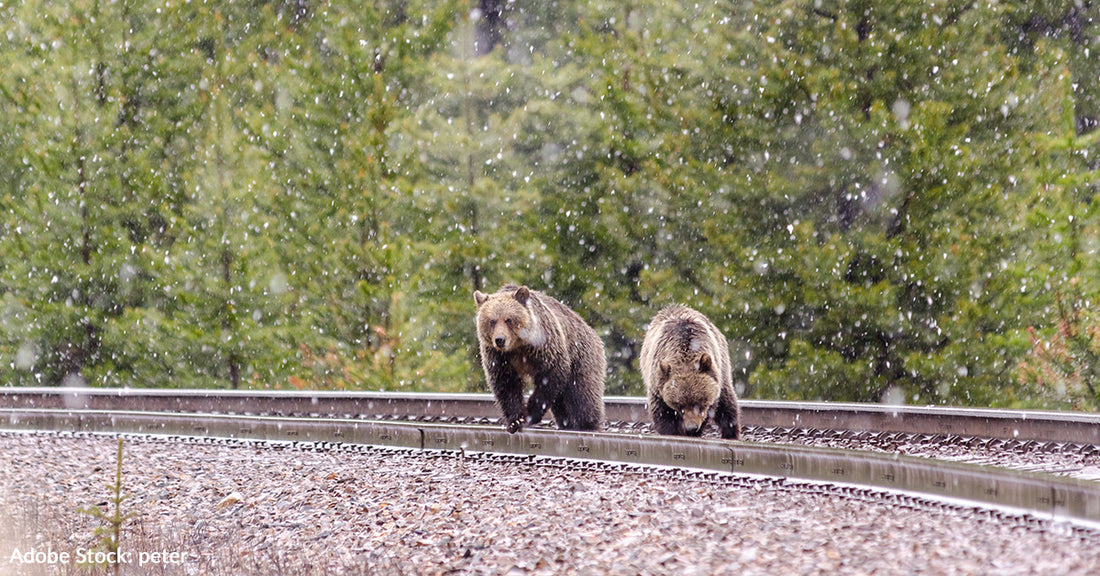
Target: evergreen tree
(73, 214)
(874, 201)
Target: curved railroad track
(1014, 425)
(786, 440)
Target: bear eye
(492, 323)
(508, 321)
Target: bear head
(504, 321)
(690, 386)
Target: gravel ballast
(255, 509)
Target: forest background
(875, 201)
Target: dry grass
(28, 523)
(62, 536)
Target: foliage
(109, 534)
(873, 200)
(1066, 367)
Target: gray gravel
(240, 509)
(1075, 461)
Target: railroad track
(467, 423)
(966, 423)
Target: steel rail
(1056, 498)
(1021, 425)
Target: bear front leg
(727, 416)
(542, 398)
(508, 390)
(666, 420)
(510, 399)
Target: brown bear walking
(686, 370)
(526, 337)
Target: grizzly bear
(686, 370)
(529, 338)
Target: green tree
(348, 221)
(895, 288)
(1061, 367)
(874, 201)
(74, 216)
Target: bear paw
(515, 426)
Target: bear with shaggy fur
(686, 369)
(529, 338)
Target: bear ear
(705, 363)
(665, 369)
(523, 294)
(479, 297)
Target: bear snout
(499, 342)
(694, 419)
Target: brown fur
(686, 369)
(527, 337)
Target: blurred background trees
(874, 201)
